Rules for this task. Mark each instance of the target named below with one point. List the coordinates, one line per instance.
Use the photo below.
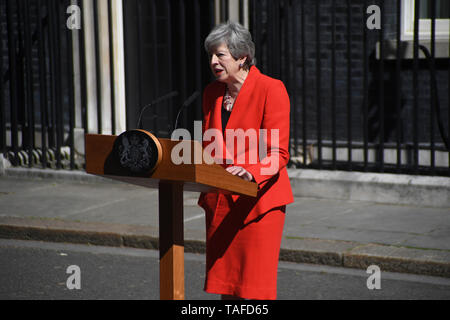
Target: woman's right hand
(240, 172)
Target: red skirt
(242, 259)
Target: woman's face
(224, 67)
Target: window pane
(442, 9)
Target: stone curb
(325, 184)
(68, 175)
(314, 251)
(374, 187)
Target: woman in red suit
(244, 233)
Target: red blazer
(262, 103)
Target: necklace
(227, 101)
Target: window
(234, 10)
(442, 19)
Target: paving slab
(350, 233)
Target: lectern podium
(139, 158)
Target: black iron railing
(359, 101)
(37, 101)
(362, 99)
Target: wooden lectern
(139, 158)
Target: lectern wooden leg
(171, 241)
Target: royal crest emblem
(136, 152)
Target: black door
(163, 53)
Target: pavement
(74, 207)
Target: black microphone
(157, 100)
(185, 104)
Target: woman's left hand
(240, 172)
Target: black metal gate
(356, 107)
(36, 84)
(362, 99)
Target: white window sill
(441, 49)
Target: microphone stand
(185, 104)
(156, 101)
